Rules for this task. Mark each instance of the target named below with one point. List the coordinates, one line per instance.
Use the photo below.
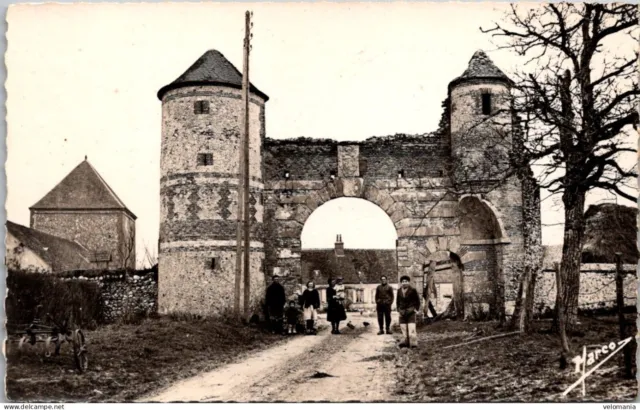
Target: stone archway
(365, 248)
(288, 208)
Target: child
(293, 314)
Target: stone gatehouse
(454, 207)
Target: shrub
(183, 317)
(132, 316)
(60, 299)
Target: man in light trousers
(408, 303)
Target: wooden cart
(56, 335)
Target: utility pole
(241, 176)
(246, 171)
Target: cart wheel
(80, 351)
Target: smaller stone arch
(457, 263)
(446, 270)
(479, 207)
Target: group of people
(275, 302)
(308, 303)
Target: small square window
(205, 159)
(210, 263)
(486, 103)
(201, 107)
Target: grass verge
(128, 361)
(511, 369)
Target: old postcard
(321, 202)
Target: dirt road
(358, 362)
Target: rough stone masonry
(445, 191)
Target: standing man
(275, 300)
(384, 300)
(408, 303)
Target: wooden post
(240, 190)
(621, 319)
(559, 310)
(584, 370)
(245, 101)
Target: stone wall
(418, 156)
(379, 157)
(123, 293)
(189, 283)
(304, 159)
(507, 202)
(597, 287)
(98, 231)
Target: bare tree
(577, 105)
(127, 250)
(150, 257)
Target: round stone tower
(480, 121)
(201, 129)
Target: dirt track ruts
(355, 359)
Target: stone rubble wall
(597, 287)
(123, 293)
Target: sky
(82, 80)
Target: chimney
(339, 247)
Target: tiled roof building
(354, 266)
(30, 249)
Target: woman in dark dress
(335, 309)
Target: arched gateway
(421, 182)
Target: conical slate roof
(481, 67)
(82, 189)
(210, 69)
